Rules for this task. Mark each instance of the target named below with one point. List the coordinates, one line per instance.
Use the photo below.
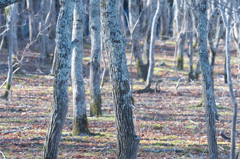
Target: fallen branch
(18, 129)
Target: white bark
(227, 22)
(95, 27)
(152, 43)
(10, 25)
(78, 87)
(60, 94)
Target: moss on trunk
(80, 126)
(179, 62)
(95, 106)
(6, 92)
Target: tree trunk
(5, 3)
(165, 20)
(152, 44)
(227, 22)
(135, 32)
(95, 94)
(207, 81)
(181, 30)
(60, 93)
(20, 31)
(146, 47)
(127, 141)
(10, 25)
(79, 100)
(31, 21)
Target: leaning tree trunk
(10, 25)
(152, 44)
(60, 94)
(79, 100)
(227, 22)
(95, 94)
(127, 141)
(146, 47)
(207, 81)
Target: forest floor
(169, 123)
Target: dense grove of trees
(190, 23)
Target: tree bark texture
(146, 47)
(95, 94)
(207, 81)
(227, 22)
(152, 43)
(165, 20)
(60, 92)
(79, 100)
(127, 141)
(10, 25)
(181, 31)
(133, 17)
(5, 3)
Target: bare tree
(95, 94)
(79, 101)
(11, 19)
(227, 22)
(152, 44)
(60, 94)
(127, 141)
(207, 82)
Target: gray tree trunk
(189, 20)
(95, 94)
(79, 100)
(21, 21)
(152, 43)
(53, 19)
(5, 3)
(146, 47)
(135, 32)
(180, 24)
(165, 20)
(227, 22)
(207, 81)
(10, 25)
(31, 20)
(127, 141)
(60, 93)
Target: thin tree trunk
(10, 25)
(165, 18)
(146, 47)
(127, 141)
(207, 81)
(152, 44)
(31, 21)
(133, 17)
(60, 93)
(95, 94)
(227, 22)
(20, 31)
(79, 100)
